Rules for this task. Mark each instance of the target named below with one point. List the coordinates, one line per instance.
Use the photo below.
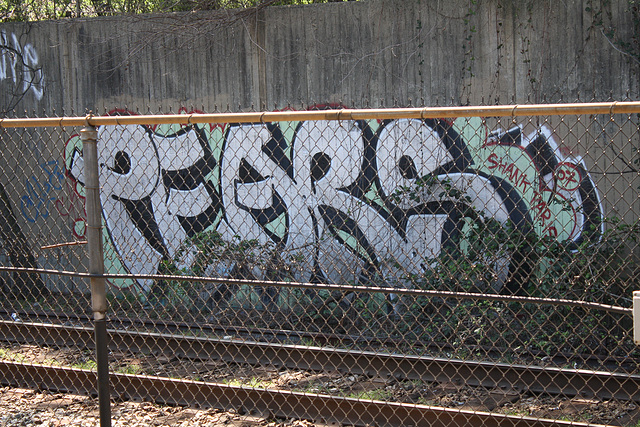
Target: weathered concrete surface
(358, 53)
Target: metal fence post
(89, 137)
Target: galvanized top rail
(609, 108)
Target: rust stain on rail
(257, 400)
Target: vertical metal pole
(89, 137)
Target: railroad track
(592, 361)
(518, 378)
(521, 378)
(320, 408)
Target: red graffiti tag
(517, 177)
(567, 176)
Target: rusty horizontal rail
(567, 382)
(257, 401)
(343, 288)
(609, 108)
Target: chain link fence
(369, 267)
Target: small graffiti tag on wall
(40, 195)
(328, 191)
(19, 64)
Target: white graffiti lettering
(19, 64)
(333, 193)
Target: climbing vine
(625, 42)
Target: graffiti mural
(19, 64)
(346, 199)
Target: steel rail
(343, 288)
(288, 336)
(557, 381)
(517, 110)
(258, 401)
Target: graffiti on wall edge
(19, 64)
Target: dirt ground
(26, 408)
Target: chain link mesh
(484, 265)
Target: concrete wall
(358, 54)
